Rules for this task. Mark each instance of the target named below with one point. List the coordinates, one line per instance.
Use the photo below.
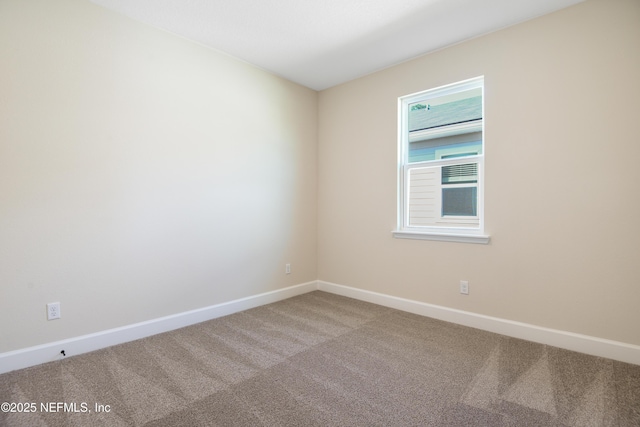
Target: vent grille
(459, 174)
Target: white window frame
(441, 233)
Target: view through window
(441, 153)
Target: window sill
(443, 237)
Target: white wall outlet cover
(53, 310)
(464, 287)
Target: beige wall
(562, 200)
(141, 175)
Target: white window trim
(462, 234)
(442, 237)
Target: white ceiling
(322, 43)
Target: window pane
(432, 204)
(445, 127)
(446, 110)
(460, 201)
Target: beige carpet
(324, 360)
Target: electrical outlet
(53, 310)
(287, 268)
(464, 287)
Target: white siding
(425, 200)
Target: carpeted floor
(325, 360)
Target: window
(441, 161)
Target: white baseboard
(615, 350)
(44, 353)
(36, 355)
